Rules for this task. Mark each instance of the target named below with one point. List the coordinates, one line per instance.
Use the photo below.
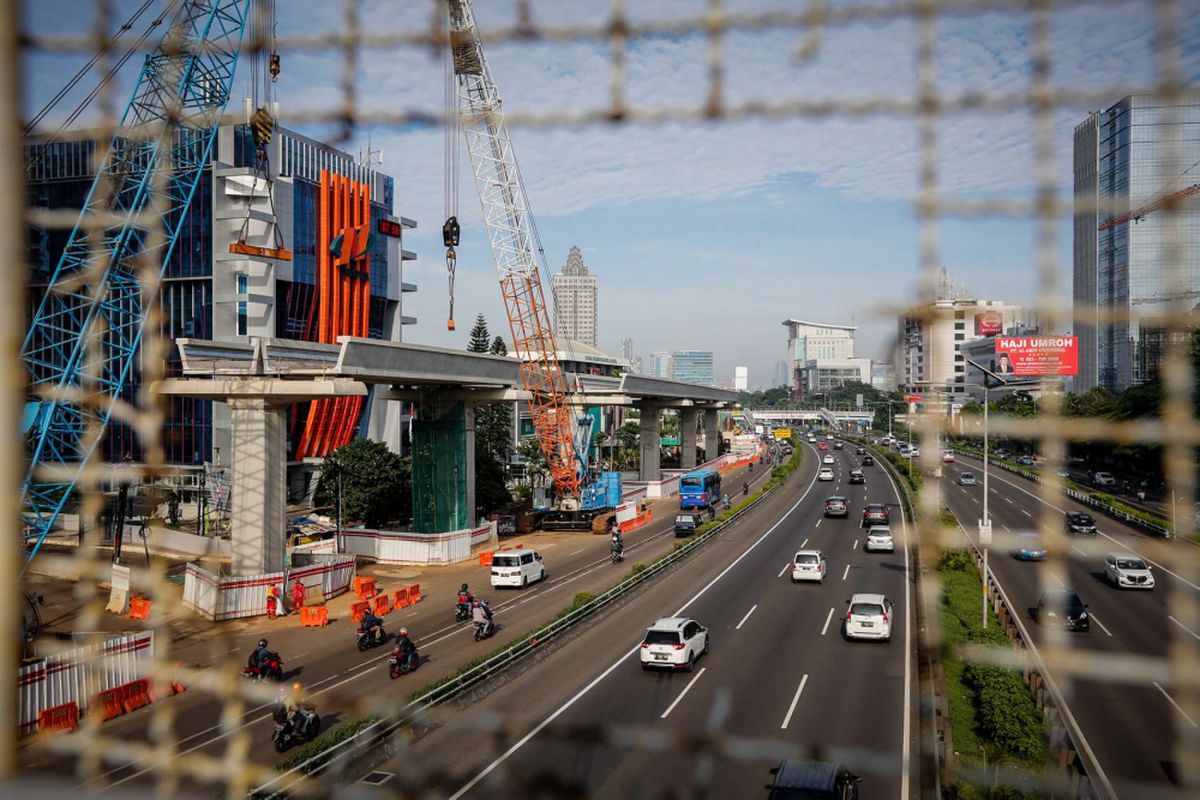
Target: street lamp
(985, 524)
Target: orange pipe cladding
(359, 297)
(336, 225)
(347, 213)
(306, 447)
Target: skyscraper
(627, 349)
(575, 301)
(661, 366)
(693, 366)
(1130, 156)
(741, 378)
(781, 375)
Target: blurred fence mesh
(170, 764)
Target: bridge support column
(712, 434)
(687, 438)
(443, 464)
(650, 435)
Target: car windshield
(506, 561)
(1068, 600)
(968, 475)
(806, 558)
(867, 609)
(1130, 563)
(690, 482)
(1031, 540)
(879, 532)
(876, 509)
(1083, 519)
(662, 637)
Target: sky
(708, 235)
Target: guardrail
(1079, 497)
(456, 685)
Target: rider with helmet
(465, 600)
(405, 648)
(258, 658)
(373, 625)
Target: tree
(376, 483)
(535, 460)
(480, 341)
(499, 348)
(493, 431)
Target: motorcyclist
(616, 545)
(404, 646)
(293, 707)
(373, 625)
(463, 604)
(728, 505)
(258, 658)
(481, 615)
(745, 488)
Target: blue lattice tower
(85, 336)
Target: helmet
(404, 631)
(485, 603)
(463, 588)
(262, 642)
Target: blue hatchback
(1030, 548)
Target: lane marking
(1171, 700)
(785, 569)
(804, 544)
(1076, 549)
(686, 689)
(1096, 620)
(1006, 498)
(748, 613)
(1002, 525)
(795, 700)
(558, 712)
(855, 547)
(576, 552)
(828, 619)
(846, 572)
(818, 523)
(1185, 627)
(1026, 513)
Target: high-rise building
(741, 378)
(883, 377)
(211, 293)
(928, 357)
(636, 365)
(661, 366)
(1136, 152)
(781, 375)
(627, 349)
(821, 357)
(693, 366)
(575, 301)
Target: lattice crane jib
(86, 333)
(510, 231)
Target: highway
(1130, 727)
(343, 682)
(778, 670)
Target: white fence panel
(80, 674)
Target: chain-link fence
(171, 755)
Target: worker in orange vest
(297, 595)
(272, 601)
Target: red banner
(989, 323)
(1037, 356)
(912, 398)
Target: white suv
(879, 537)
(824, 474)
(869, 617)
(1127, 571)
(674, 643)
(809, 565)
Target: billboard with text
(1036, 356)
(989, 323)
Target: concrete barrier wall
(396, 547)
(79, 675)
(166, 540)
(221, 597)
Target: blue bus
(700, 489)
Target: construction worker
(297, 595)
(272, 601)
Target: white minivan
(517, 568)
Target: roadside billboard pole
(985, 524)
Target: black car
(812, 779)
(686, 522)
(856, 476)
(1067, 603)
(838, 445)
(874, 514)
(868, 461)
(1080, 523)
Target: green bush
(1005, 711)
(956, 560)
(638, 568)
(580, 600)
(322, 744)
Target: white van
(517, 568)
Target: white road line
(1006, 499)
(1026, 513)
(855, 547)
(558, 712)
(906, 737)
(828, 619)
(1058, 580)
(686, 689)
(795, 700)
(576, 552)
(785, 569)
(1096, 620)
(1185, 627)
(804, 544)
(748, 613)
(1077, 550)
(1171, 700)
(846, 572)
(818, 523)
(1002, 525)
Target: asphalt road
(779, 670)
(344, 683)
(1130, 727)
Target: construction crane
(87, 331)
(1140, 213)
(564, 437)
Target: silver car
(1127, 571)
(879, 538)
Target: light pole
(985, 524)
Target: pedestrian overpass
(834, 419)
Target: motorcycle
(399, 664)
(483, 630)
(462, 612)
(367, 640)
(271, 667)
(617, 556)
(288, 733)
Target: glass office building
(209, 292)
(693, 366)
(1131, 157)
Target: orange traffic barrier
(366, 589)
(358, 611)
(139, 608)
(358, 579)
(518, 547)
(414, 593)
(314, 616)
(381, 605)
(401, 599)
(59, 718)
(111, 703)
(485, 559)
(136, 694)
